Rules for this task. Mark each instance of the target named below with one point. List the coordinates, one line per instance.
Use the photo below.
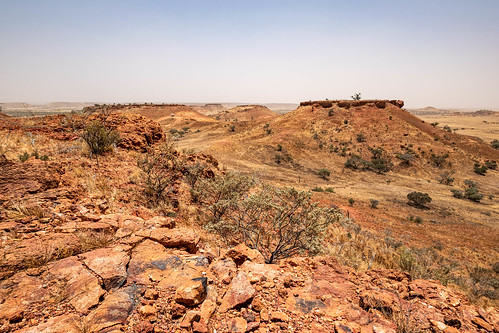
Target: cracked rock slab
(110, 264)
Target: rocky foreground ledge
(157, 277)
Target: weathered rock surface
(109, 264)
(240, 291)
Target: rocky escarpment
(350, 103)
(136, 132)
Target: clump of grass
(90, 240)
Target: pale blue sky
(442, 53)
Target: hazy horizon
(427, 53)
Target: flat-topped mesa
(117, 107)
(379, 103)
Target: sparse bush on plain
(351, 201)
(418, 199)
(495, 144)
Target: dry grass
(50, 252)
(91, 240)
(20, 210)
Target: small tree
(356, 97)
(279, 223)
(418, 199)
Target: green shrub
(317, 189)
(279, 223)
(457, 193)
(25, 156)
(439, 160)
(418, 199)
(471, 191)
(361, 137)
(324, 173)
(480, 169)
(354, 162)
(446, 178)
(222, 192)
(99, 138)
(406, 159)
(380, 165)
(329, 189)
(160, 168)
(351, 201)
(495, 144)
(492, 165)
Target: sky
(441, 53)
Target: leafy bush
(99, 138)
(446, 178)
(194, 172)
(471, 191)
(480, 169)
(351, 201)
(279, 223)
(439, 160)
(380, 165)
(222, 192)
(160, 169)
(406, 159)
(418, 199)
(492, 165)
(324, 173)
(329, 189)
(457, 193)
(354, 162)
(361, 137)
